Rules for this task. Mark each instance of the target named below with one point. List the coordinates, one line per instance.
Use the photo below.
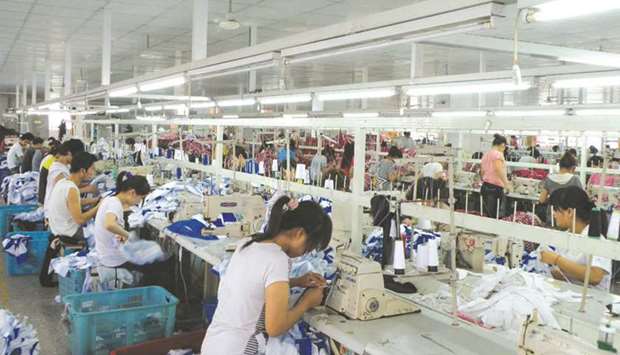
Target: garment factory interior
(325, 177)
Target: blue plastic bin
(208, 309)
(36, 253)
(104, 321)
(71, 284)
(6, 213)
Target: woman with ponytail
(572, 211)
(254, 294)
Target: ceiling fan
(230, 23)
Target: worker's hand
(293, 204)
(509, 188)
(122, 238)
(310, 280)
(90, 189)
(312, 298)
(548, 257)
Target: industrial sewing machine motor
(358, 291)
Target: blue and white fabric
(17, 336)
(21, 189)
(37, 215)
(73, 262)
(17, 246)
(372, 248)
(142, 252)
(198, 227)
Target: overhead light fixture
(530, 113)
(592, 82)
(460, 114)
(85, 113)
(203, 104)
(284, 99)
(149, 118)
(598, 112)
(153, 108)
(467, 88)
(360, 114)
(38, 113)
(122, 92)
(230, 116)
(563, 9)
(237, 102)
(295, 115)
(356, 94)
(163, 83)
(117, 110)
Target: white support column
(25, 93)
(253, 42)
(461, 151)
(67, 78)
(92, 132)
(154, 140)
(358, 188)
(482, 68)
(199, 29)
(317, 105)
(48, 81)
(117, 144)
(18, 103)
(106, 47)
(583, 160)
(33, 95)
(364, 78)
(218, 162)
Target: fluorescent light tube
(587, 82)
(357, 94)
(175, 107)
(239, 102)
(598, 112)
(230, 116)
(562, 9)
(460, 114)
(284, 99)
(467, 88)
(360, 114)
(85, 113)
(162, 83)
(122, 92)
(153, 108)
(203, 104)
(530, 113)
(117, 110)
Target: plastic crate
(192, 340)
(7, 212)
(71, 284)
(36, 253)
(104, 321)
(208, 309)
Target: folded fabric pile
(504, 299)
(21, 189)
(37, 215)
(77, 261)
(17, 336)
(198, 227)
(17, 246)
(142, 252)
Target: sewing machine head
(473, 249)
(467, 179)
(526, 186)
(358, 291)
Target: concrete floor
(24, 296)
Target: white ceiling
(148, 34)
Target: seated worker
(254, 292)
(44, 168)
(385, 170)
(15, 155)
(28, 164)
(110, 233)
(566, 177)
(573, 203)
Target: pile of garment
(37, 215)
(21, 189)
(197, 227)
(17, 246)
(76, 262)
(538, 174)
(372, 247)
(504, 299)
(17, 336)
(102, 149)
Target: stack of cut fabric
(17, 336)
(21, 189)
(17, 246)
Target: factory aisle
(26, 297)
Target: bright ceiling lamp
(122, 92)
(460, 114)
(562, 9)
(360, 114)
(203, 104)
(598, 112)
(153, 108)
(230, 116)
(117, 110)
(357, 94)
(284, 99)
(234, 103)
(593, 82)
(467, 88)
(85, 113)
(515, 113)
(163, 83)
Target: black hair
(75, 146)
(498, 139)
(37, 140)
(27, 137)
(477, 155)
(573, 197)
(130, 141)
(292, 144)
(407, 134)
(595, 161)
(555, 148)
(568, 161)
(63, 149)
(126, 181)
(572, 151)
(82, 160)
(308, 215)
(533, 152)
(593, 150)
(347, 156)
(395, 152)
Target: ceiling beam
(565, 54)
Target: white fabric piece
(60, 220)
(16, 245)
(21, 189)
(432, 170)
(142, 252)
(15, 156)
(72, 262)
(108, 277)
(17, 336)
(32, 216)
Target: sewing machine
(467, 179)
(526, 186)
(536, 339)
(358, 291)
(472, 248)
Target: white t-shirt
(241, 296)
(597, 261)
(14, 156)
(432, 170)
(60, 220)
(56, 169)
(106, 244)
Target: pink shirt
(488, 167)
(610, 180)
